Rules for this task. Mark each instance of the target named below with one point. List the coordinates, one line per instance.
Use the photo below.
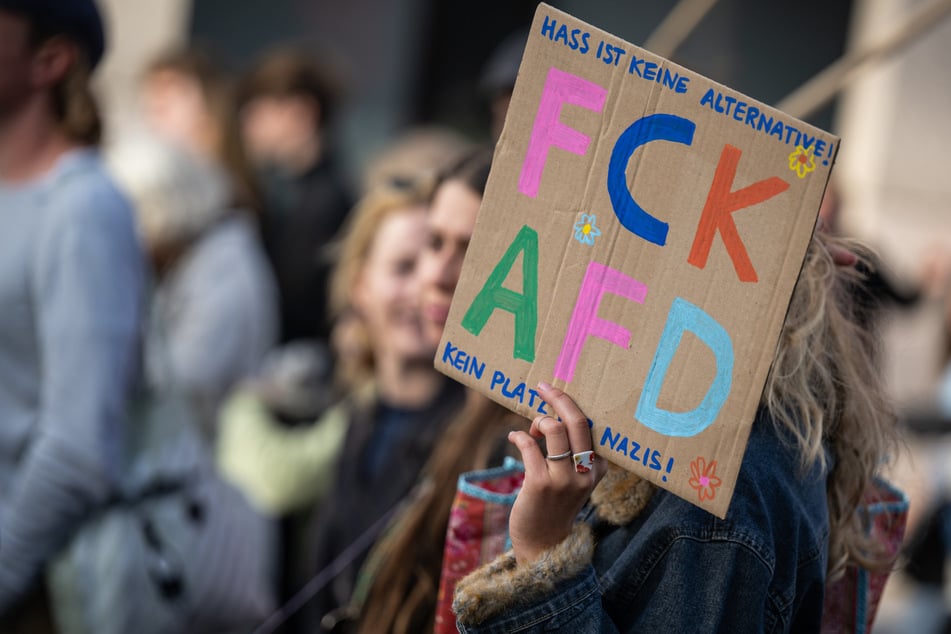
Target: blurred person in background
(396, 416)
(278, 446)
(214, 305)
(71, 287)
(271, 445)
(188, 99)
(285, 104)
(397, 588)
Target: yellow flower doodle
(802, 161)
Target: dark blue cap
(77, 19)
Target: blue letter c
(655, 127)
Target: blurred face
(176, 110)
(386, 294)
(274, 128)
(15, 61)
(451, 221)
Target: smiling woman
(376, 278)
(398, 587)
(400, 407)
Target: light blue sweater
(217, 312)
(71, 298)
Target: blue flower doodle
(586, 230)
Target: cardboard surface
(640, 237)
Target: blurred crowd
(218, 258)
(245, 311)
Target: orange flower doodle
(704, 479)
(801, 161)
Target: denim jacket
(674, 567)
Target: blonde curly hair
(825, 389)
(350, 254)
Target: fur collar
(621, 495)
(503, 585)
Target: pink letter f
(598, 280)
(547, 131)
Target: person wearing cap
(71, 287)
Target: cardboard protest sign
(638, 243)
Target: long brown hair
(826, 390)
(402, 595)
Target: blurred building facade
(893, 175)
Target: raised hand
(555, 489)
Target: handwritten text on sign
(659, 174)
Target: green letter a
(523, 305)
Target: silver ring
(560, 456)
